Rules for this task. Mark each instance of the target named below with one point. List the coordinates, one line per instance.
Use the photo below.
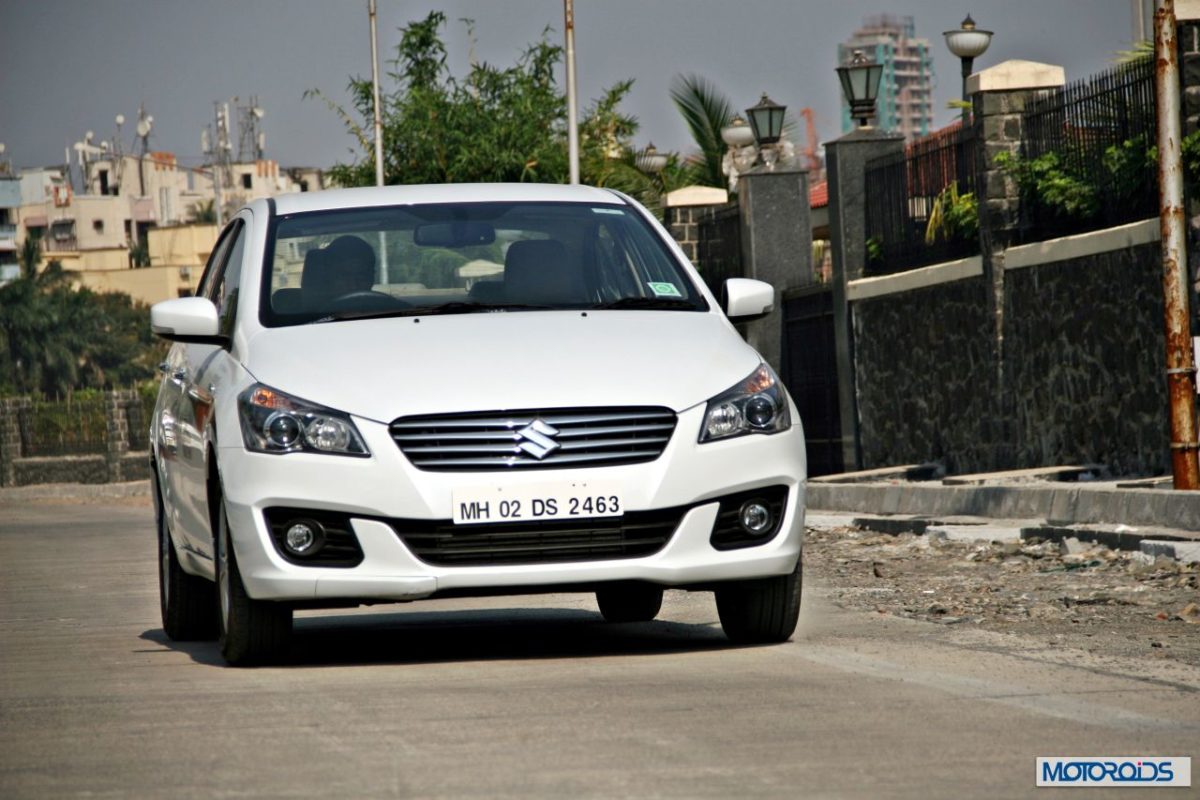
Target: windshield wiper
(650, 303)
(425, 311)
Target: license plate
(535, 502)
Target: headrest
(537, 271)
(347, 264)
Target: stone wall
(1081, 381)
(112, 460)
(924, 376)
(1085, 358)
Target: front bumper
(386, 485)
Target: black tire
(761, 611)
(633, 602)
(251, 631)
(185, 601)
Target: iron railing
(1087, 157)
(901, 192)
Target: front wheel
(762, 611)
(251, 631)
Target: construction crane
(810, 146)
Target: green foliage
(203, 212)
(139, 255)
(874, 250)
(954, 217)
(1191, 164)
(496, 124)
(55, 338)
(705, 110)
(76, 423)
(1047, 184)
(29, 256)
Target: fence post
(10, 437)
(999, 95)
(118, 433)
(776, 245)
(845, 162)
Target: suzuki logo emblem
(537, 439)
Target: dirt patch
(1088, 597)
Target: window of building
(98, 225)
(247, 180)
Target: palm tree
(204, 212)
(705, 110)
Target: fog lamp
(303, 537)
(755, 517)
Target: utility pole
(1181, 367)
(572, 98)
(375, 92)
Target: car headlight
(273, 422)
(757, 404)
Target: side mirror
(747, 300)
(187, 319)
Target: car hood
(385, 368)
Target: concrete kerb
(13, 495)
(1061, 504)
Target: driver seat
(345, 265)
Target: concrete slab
(1180, 551)
(976, 533)
(1060, 473)
(907, 472)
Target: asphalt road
(529, 696)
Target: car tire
(185, 601)
(251, 631)
(762, 611)
(636, 602)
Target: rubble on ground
(1072, 593)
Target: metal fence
(719, 248)
(901, 192)
(1088, 158)
(74, 425)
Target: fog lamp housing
(303, 537)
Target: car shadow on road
(483, 635)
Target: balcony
(8, 236)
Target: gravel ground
(1082, 596)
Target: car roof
(442, 193)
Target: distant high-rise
(905, 103)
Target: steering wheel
(366, 300)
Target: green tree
(705, 111)
(496, 124)
(203, 212)
(54, 337)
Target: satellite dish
(2, 148)
(104, 145)
(143, 127)
(87, 137)
(120, 119)
(258, 112)
(204, 148)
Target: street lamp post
(968, 43)
(766, 123)
(860, 84)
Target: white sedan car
(385, 395)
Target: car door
(198, 372)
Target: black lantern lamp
(860, 84)
(766, 120)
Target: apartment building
(905, 103)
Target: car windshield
(461, 258)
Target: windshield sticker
(616, 211)
(664, 290)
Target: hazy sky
(68, 66)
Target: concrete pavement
(529, 696)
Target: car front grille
(534, 439)
(444, 544)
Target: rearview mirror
(187, 319)
(454, 234)
(747, 300)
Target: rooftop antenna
(144, 124)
